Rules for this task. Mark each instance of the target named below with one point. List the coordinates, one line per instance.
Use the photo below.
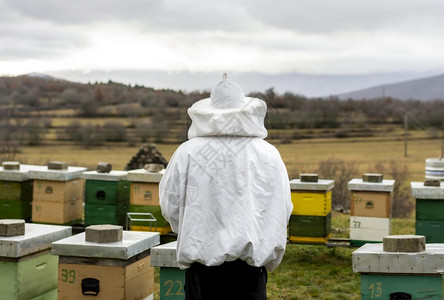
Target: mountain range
(430, 88)
(403, 86)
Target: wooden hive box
(311, 198)
(57, 195)
(172, 278)
(368, 230)
(16, 189)
(106, 197)
(429, 211)
(392, 275)
(370, 208)
(371, 204)
(144, 187)
(27, 268)
(117, 270)
(105, 214)
(309, 229)
(144, 199)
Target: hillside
(430, 88)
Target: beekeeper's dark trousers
(229, 281)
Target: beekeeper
(226, 193)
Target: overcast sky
(272, 37)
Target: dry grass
(303, 154)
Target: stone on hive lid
(309, 177)
(153, 167)
(103, 167)
(12, 227)
(372, 177)
(11, 165)
(57, 165)
(404, 243)
(103, 233)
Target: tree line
(27, 105)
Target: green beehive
(107, 197)
(429, 210)
(310, 226)
(16, 188)
(27, 268)
(400, 273)
(172, 279)
(105, 214)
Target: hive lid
(111, 176)
(22, 174)
(371, 258)
(164, 255)
(132, 243)
(420, 191)
(57, 175)
(142, 175)
(320, 185)
(37, 237)
(358, 184)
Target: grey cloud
(149, 15)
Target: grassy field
(300, 155)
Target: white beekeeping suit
(226, 191)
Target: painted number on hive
(68, 276)
(356, 224)
(175, 288)
(375, 289)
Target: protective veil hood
(228, 113)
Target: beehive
(57, 194)
(27, 268)
(16, 191)
(106, 197)
(370, 208)
(429, 211)
(144, 199)
(172, 278)
(400, 274)
(114, 270)
(310, 221)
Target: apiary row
(66, 195)
(45, 262)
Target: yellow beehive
(311, 198)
